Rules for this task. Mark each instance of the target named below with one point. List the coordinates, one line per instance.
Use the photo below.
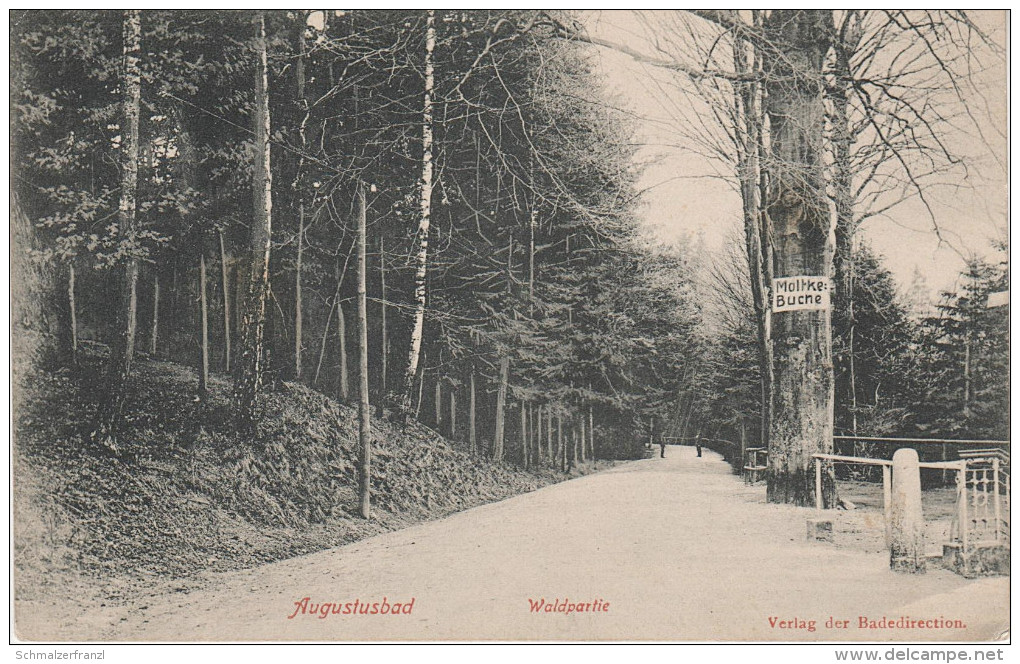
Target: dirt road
(660, 549)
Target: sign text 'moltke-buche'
(800, 293)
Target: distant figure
(662, 449)
(698, 444)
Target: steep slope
(187, 496)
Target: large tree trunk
(364, 408)
(248, 371)
(423, 224)
(798, 210)
(123, 347)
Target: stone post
(906, 552)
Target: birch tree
(424, 221)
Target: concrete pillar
(906, 551)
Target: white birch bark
(423, 224)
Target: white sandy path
(678, 547)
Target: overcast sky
(687, 198)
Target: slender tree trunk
(472, 432)
(561, 448)
(421, 388)
(743, 440)
(841, 181)
(591, 430)
(203, 375)
(583, 454)
(966, 375)
(73, 314)
(549, 440)
(533, 436)
(439, 402)
(756, 232)
(543, 414)
(532, 224)
(299, 79)
(334, 304)
(364, 408)
(298, 305)
(524, 435)
(384, 331)
(853, 375)
(453, 413)
(536, 434)
(171, 326)
(155, 315)
(324, 340)
(504, 379)
(248, 371)
(343, 389)
(123, 347)
(802, 227)
(241, 276)
(423, 225)
(226, 304)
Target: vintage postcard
(685, 326)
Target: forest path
(679, 548)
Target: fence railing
(928, 449)
(983, 501)
(886, 465)
(756, 462)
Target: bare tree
(819, 126)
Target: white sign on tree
(800, 293)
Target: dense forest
(508, 283)
(433, 214)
